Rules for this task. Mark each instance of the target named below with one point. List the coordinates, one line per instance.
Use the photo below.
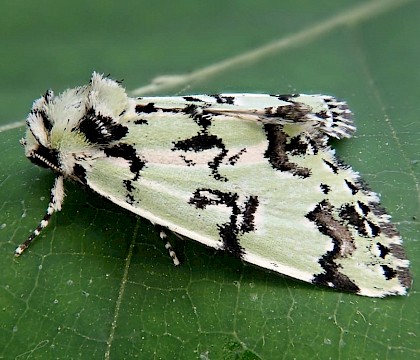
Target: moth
(251, 174)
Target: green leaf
(98, 283)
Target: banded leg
(168, 245)
(56, 200)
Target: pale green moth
(251, 174)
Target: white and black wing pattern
(251, 174)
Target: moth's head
(38, 144)
(75, 124)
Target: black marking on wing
(295, 112)
(200, 117)
(286, 97)
(325, 188)
(322, 216)
(127, 152)
(99, 129)
(192, 98)
(151, 108)
(128, 184)
(322, 114)
(188, 162)
(389, 272)
(354, 188)
(278, 149)
(363, 207)
(248, 222)
(383, 250)
(349, 213)
(234, 159)
(191, 109)
(203, 141)
(300, 145)
(229, 232)
(137, 164)
(130, 199)
(146, 109)
(332, 166)
(199, 142)
(224, 99)
(141, 122)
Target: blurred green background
(99, 284)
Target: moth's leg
(56, 200)
(168, 245)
